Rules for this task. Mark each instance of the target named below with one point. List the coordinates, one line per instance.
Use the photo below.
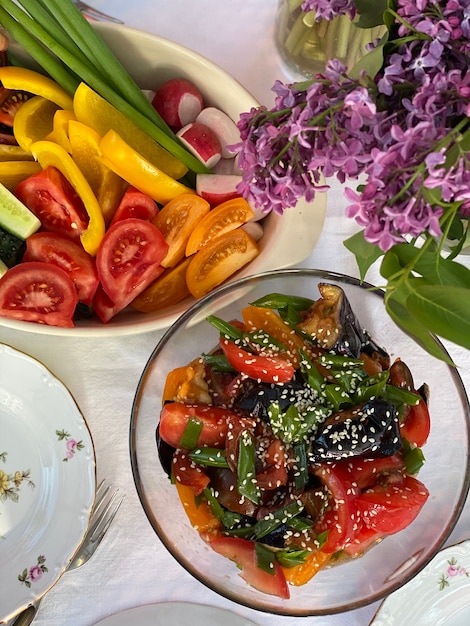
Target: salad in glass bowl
(294, 442)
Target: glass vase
(305, 44)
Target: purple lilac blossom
(328, 9)
(396, 130)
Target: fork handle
(26, 617)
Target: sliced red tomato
(267, 369)
(68, 255)
(38, 292)
(128, 260)
(176, 415)
(188, 473)
(390, 508)
(341, 518)
(135, 203)
(10, 101)
(55, 203)
(243, 553)
(417, 425)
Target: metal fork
(106, 506)
(94, 14)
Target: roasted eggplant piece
(333, 325)
(255, 398)
(370, 430)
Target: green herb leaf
(225, 328)
(246, 471)
(211, 457)
(265, 558)
(191, 433)
(366, 253)
(291, 558)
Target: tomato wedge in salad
(267, 369)
(38, 292)
(135, 203)
(243, 553)
(55, 203)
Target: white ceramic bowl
(287, 239)
(388, 565)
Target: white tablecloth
(131, 566)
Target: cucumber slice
(11, 248)
(15, 217)
(3, 268)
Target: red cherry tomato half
(243, 553)
(10, 101)
(417, 425)
(68, 255)
(128, 260)
(134, 203)
(389, 508)
(267, 369)
(38, 292)
(55, 203)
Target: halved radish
(178, 101)
(202, 142)
(223, 126)
(217, 188)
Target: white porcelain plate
(175, 614)
(438, 596)
(47, 479)
(287, 240)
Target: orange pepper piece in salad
(300, 574)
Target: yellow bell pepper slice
(137, 171)
(13, 172)
(33, 121)
(14, 153)
(50, 154)
(107, 186)
(13, 77)
(93, 110)
(60, 129)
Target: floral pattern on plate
(438, 596)
(45, 504)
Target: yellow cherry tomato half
(169, 289)
(221, 219)
(219, 260)
(176, 222)
(49, 154)
(13, 77)
(130, 165)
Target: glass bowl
(353, 583)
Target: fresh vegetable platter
(304, 465)
(143, 55)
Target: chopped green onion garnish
(211, 457)
(283, 516)
(218, 362)
(247, 485)
(413, 457)
(191, 433)
(290, 558)
(280, 301)
(301, 474)
(265, 558)
(225, 328)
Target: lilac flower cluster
(405, 132)
(328, 9)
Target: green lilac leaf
(371, 12)
(445, 310)
(366, 253)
